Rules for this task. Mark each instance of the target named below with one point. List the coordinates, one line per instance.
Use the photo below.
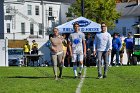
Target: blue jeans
(102, 55)
(117, 56)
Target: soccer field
(123, 79)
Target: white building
(33, 18)
(130, 18)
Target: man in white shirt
(77, 47)
(102, 48)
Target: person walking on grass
(56, 52)
(102, 48)
(77, 48)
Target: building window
(29, 9)
(7, 10)
(40, 29)
(23, 28)
(8, 27)
(31, 28)
(36, 10)
(124, 31)
(8, 17)
(50, 11)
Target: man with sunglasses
(102, 48)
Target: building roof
(62, 1)
(128, 9)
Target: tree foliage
(96, 10)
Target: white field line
(78, 89)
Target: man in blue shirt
(116, 45)
(129, 47)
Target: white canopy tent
(86, 25)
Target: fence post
(2, 19)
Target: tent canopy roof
(86, 25)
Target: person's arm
(51, 47)
(84, 45)
(70, 45)
(94, 45)
(36, 45)
(120, 44)
(110, 44)
(70, 48)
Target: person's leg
(74, 60)
(112, 57)
(80, 60)
(109, 59)
(88, 58)
(68, 59)
(128, 56)
(121, 58)
(117, 58)
(99, 58)
(60, 64)
(63, 58)
(105, 57)
(54, 59)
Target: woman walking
(56, 52)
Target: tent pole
(82, 8)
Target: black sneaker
(79, 75)
(128, 63)
(104, 76)
(60, 76)
(75, 77)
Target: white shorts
(77, 57)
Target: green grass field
(123, 79)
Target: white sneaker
(99, 77)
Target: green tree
(96, 10)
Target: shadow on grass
(68, 76)
(30, 77)
(82, 77)
(90, 77)
(37, 77)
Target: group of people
(102, 46)
(118, 46)
(27, 49)
(76, 44)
